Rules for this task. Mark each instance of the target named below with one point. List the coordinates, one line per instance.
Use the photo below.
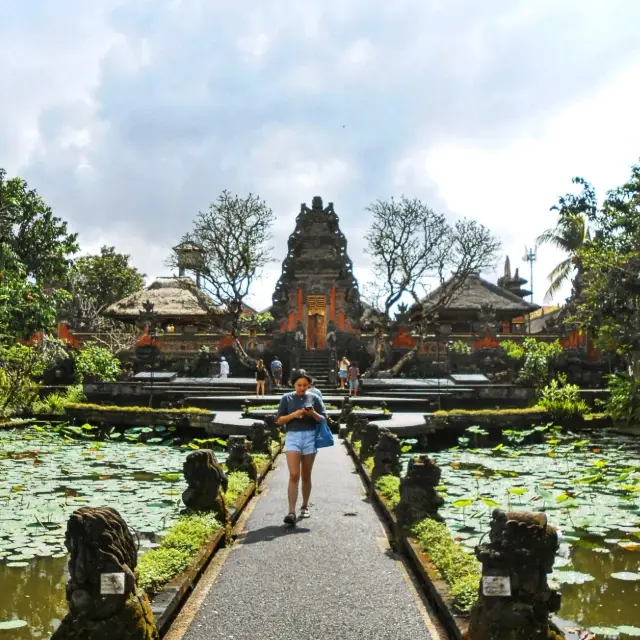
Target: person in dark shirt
(300, 412)
(261, 377)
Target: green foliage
(87, 406)
(562, 400)
(459, 569)
(460, 347)
(389, 487)
(623, 403)
(177, 549)
(258, 321)
(105, 278)
(238, 483)
(21, 364)
(56, 403)
(487, 412)
(538, 360)
(39, 240)
(97, 361)
(25, 308)
(368, 463)
(513, 350)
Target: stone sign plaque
(496, 586)
(111, 584)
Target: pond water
(44, 477)
(589, 486)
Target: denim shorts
(353, 384)
(303, 442)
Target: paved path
(331, 577)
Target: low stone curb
(122, 417)
(436, 589)
(166, 603)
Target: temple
(317, 292)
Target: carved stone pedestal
(515, 600)
(418, 496)
(207, 484)
(239, 457)
(386, 457)
(103, 595)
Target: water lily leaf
(605, 632)
(629, 630)
(626, 575)
(5, 625)
(461, 504)
(629, 546)
(572, 577)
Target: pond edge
(433, 584)
(166, 604)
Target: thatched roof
(476, 293)
(171, 297)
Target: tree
(411, 246)
(233, 235)
(39, 240)
(25, 307)
(607, 286)
(569, 234)
(104, 278)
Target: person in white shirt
(224, 368)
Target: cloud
(129, 117)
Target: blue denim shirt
(291, 402)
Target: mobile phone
(308, 408)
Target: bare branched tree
(234, 235)
(412, 248)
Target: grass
(176, 552)
(367, 463)
(490, 412)
(460, 569)
(389, 487)
(238, 483)
(109, 407)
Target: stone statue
(386, 457)
(207, 484)
(260, 440)
(273, 427)
(347, 409)
(240, 459)
(369, 441)
(104, 599)
(521, 550)
(418, 496)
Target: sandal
(304, 512)
(290, 518)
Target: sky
(129, 116)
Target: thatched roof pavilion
(467, 303)
(176, 301)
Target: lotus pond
(44, 476)
(590, 488)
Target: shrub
(97, 361)
(21, 364)
(460, 569)
(177, 549)
(562, 400)
(238, 483)
(512, 349)
(538, 358)
(460, 347)
(389, 487)
(623, 403)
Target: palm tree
(569, 235)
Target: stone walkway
(332, 576)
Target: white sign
(111, 584)
(496, 586)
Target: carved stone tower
(317, 292)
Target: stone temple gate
(317, 292)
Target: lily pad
(572, 577)
(626, 575)
(629, 630)
(605, 632)
(6, 625)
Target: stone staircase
(316, 363)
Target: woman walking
(353, 374)
(300, 412)
(261, 376)
(343, 366)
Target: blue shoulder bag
(324, 437)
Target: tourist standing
(353, 374)
(343, 367)
(261, 377)
(224, 367)
(313, 389)
(300, 412)
(276, 371)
